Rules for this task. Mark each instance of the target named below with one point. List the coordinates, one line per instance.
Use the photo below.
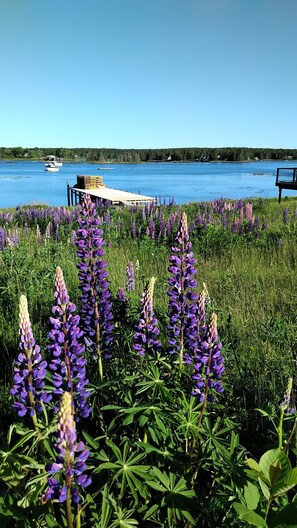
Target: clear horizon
(147, 75)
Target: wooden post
(68, 194)
(279, 193)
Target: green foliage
(158, 459)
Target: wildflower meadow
(148, 365)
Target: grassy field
(246, 256)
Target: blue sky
(148, 73)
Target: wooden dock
(75, 196)
(286, 178)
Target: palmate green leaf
(51, 521)
(157, 486)
(90, 441)
(108, 465)
(128, 420)
(151, 511)
(124, 523)
(152, 433)
(162, 477)
(152, 449)
(8, 508)
(249, 516)
(93, 509)
(21, 442)
(143, 420)
(32, 495)
(106, 510)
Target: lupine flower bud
(29, 369)
(146, 336)
(130, 279)
(71, 457)
(285, 403)
(68, 365)
(208, 364)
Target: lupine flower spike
(96, 310)
(29, 370)
(146, 336)
(130, 279)
(68, 364)
(182, 305)
(285, 408)
(70, 463)
(208, 365)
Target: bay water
(26, 182)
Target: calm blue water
(26, 182)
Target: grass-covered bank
(246, 255)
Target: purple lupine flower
(73, 237)
(198, 220)
(285, 403)
(71, 458)
(130, 279)
(96, 309)
(251, 226)
(182, 306)
(208, 365)
(133, 229)
(265, 225)
(29, 369)
(13, 238)
(107, 219)
(26, 230)
(163, 228)
(257, 223)
(146, 335)
(151, 229)
(68, 365)
(199, 331)
(285, 215)
(121, 296)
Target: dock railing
(286, 178)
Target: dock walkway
(106, 194)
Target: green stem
(280, 430)
(68, 509)
(78, 518)
(68, 485)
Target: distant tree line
(111, 155)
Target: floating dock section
(286, 178)
(94, 186)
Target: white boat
(51, 167)
(52, 160)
